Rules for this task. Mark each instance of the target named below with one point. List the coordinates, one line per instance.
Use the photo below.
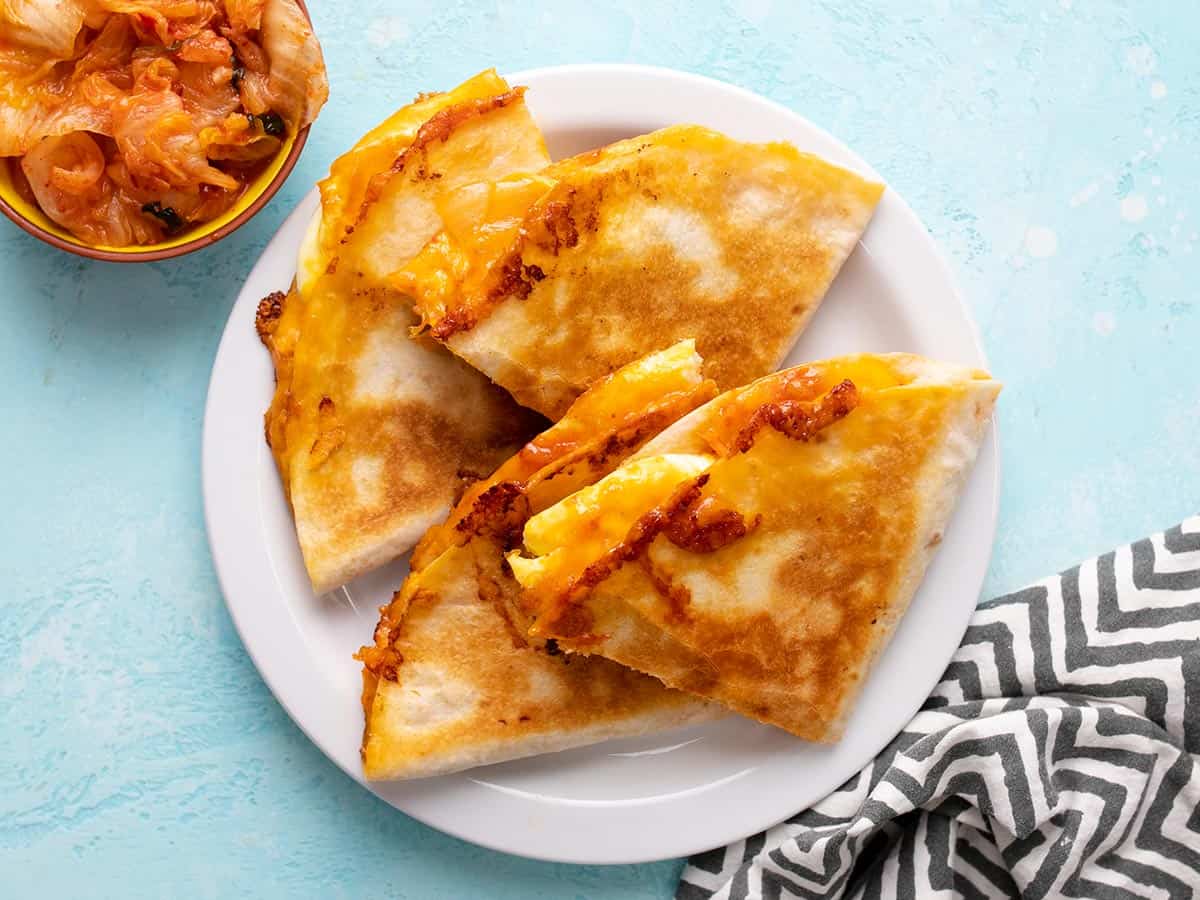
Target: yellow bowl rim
(252, 201)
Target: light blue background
(1050, 146)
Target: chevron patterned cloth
(1056, 758)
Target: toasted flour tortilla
(786, 555)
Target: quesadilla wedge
(452, 681)
(548, 281)
(376, 434)
(761, 551)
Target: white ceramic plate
(630, 800)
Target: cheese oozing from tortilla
(355, 178)
(576, 531)
(604, 425)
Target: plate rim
(217, 508)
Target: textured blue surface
(1051, 148)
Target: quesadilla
(375, 434)
(547, 281)
(452, 681)
(761, 551)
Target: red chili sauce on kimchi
(131, 121)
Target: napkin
(1056, 757)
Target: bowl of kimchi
(137, 130)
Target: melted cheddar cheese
(575, 532)
(479, 222)
(356, 175)
(663, 385)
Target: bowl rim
(191, 246)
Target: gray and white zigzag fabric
(1056, 758)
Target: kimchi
(130, 121)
